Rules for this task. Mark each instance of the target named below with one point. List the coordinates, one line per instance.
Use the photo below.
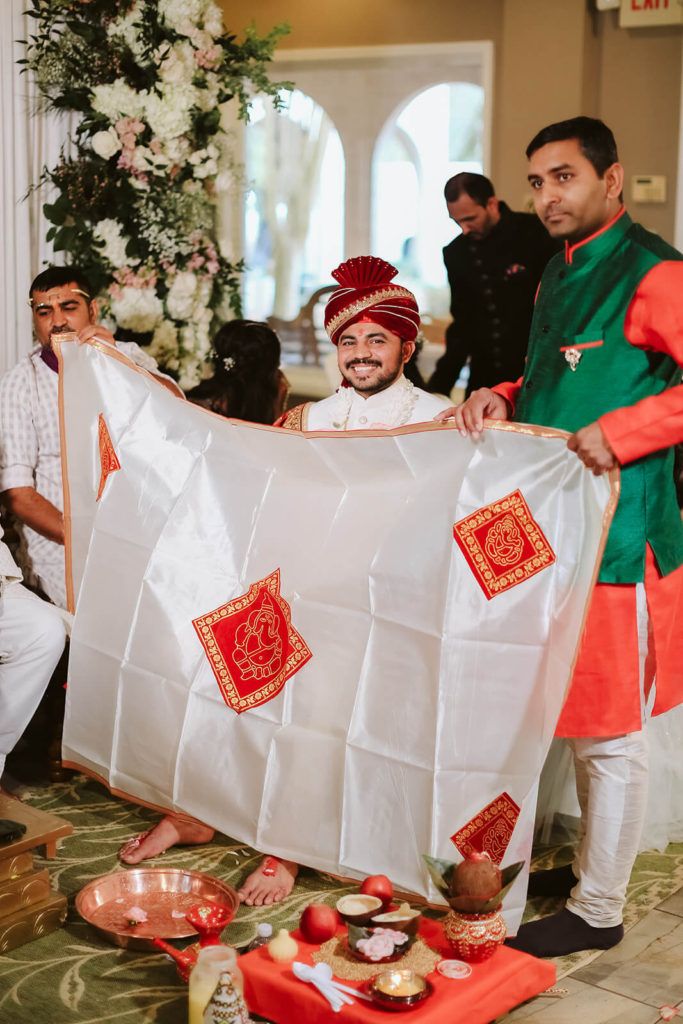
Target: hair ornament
(228, 363)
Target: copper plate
(164, 894)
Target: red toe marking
(270, 866)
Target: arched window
(432, 136)
(294, 207)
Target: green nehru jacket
(579, 319)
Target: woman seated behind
(247, 382)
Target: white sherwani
(397, 405)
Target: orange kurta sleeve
(654, 321)
(509, 391)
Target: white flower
(190, 366)
(205, 165)
(207, 98)
(213, 20)
(177, 63)
(202, 321)
(118, 100)
(110, 232)
(223, 182)
(128, 29)
(179, 14)
(164, 342)
(168, 115)
(106, 143)
(180, 298)
(177, 149)
(137, 309)
(141, 159)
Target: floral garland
(136, 199)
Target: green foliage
(135, 194)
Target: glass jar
(211, 962)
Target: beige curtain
(29, 141)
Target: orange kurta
(605, 695)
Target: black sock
(563, 933)
(554, 882)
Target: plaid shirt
(30, 456)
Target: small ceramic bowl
(402, 919)
(399, 990)
(358, 908)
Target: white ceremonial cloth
(30, 455)
(422, 700)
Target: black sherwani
(493, 285)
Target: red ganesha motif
(251, 644)
(503, 544)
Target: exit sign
(644, 13)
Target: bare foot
(170, 831)
(272, 881)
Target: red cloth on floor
(492, 988)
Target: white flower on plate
(110, 232)
(106, 143)
(180, 298)
(137, 309)
(118, 100)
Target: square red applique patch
(503, 544)
(490, 831)
(251, 645)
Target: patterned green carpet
(74, 977)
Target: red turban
(367, 293)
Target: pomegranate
(380, 886)
(318, 923)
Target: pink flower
(128, 128)
(208, 57)
(376, 947)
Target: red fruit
(380, 886)
(318, 923)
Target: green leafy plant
(136, 194)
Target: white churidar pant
(612, 789)
(32, 636)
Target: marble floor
(637, 982)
